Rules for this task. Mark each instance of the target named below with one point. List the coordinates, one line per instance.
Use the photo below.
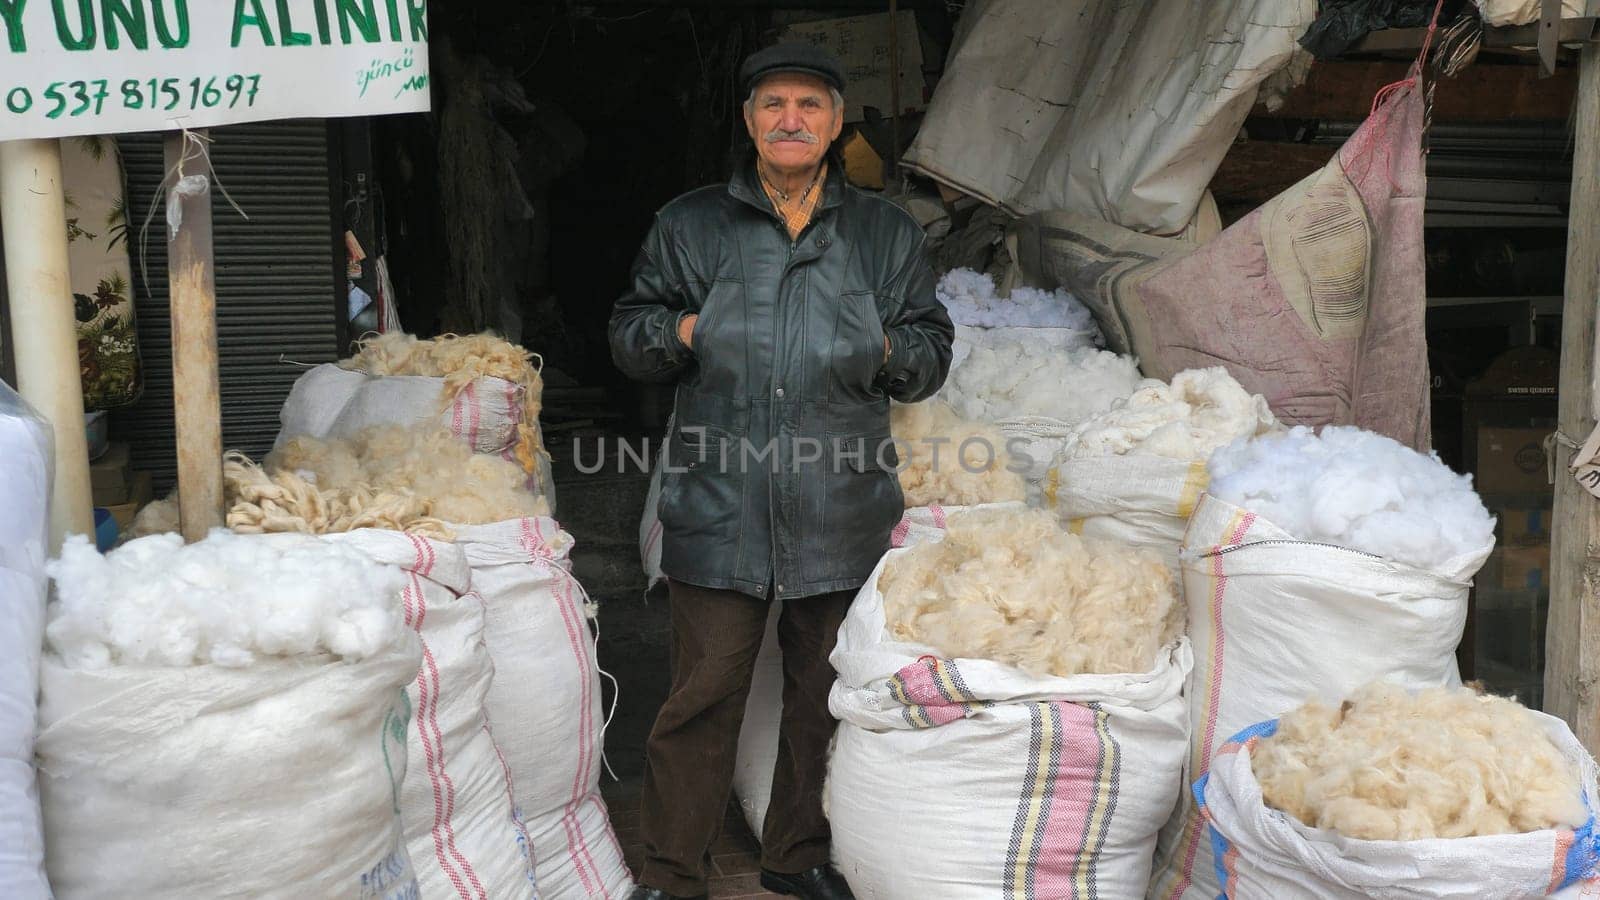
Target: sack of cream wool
(226, 718)
(948, 466)
(25, 479)
(458, 808)
(1313, 565)
(1135, 472)
(1012, 719)
(1444, 793)
(544, 701)
(484, 390)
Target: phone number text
(92, 97)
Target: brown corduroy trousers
(690, 753)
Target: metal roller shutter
(277, 285)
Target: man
(789, 308)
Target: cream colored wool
(452, 483)
(1395, 766)
(1200, 411)
(1010, 585)
(950, 461)
(459, 360)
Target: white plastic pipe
(43, 331)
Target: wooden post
(196, 396)
(1572, 637)
(44, 334)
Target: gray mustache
(778, 134)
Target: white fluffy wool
(224, 601)
(1200, 411)
(1357, 489)
(1010, 585)
(454, 484)
(1388, 765)
(950, 461)
(970, 299)
(1007, 379)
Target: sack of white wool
(1035, 395)
(458, 807)
(25, 480)
(1135, 472)
(1313, 565)
(1012, 720)
(1046, 320)
(482, 389)
(225, 718)
(544, 701)
(1444, 793)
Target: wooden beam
(196, 394)
(1343, 91)
(1572, 638)
(1254, 172)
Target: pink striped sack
(966, 778)
(462, 828)
(921, 524)
(1276, 621)
(1264, 854)
(332, 402)
(544, 702)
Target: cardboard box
(1520, 527)
(1524, 568)
(111, 476)
(139, 495)
(1512, 461)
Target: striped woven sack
(1145, 501)
(1276, 621)
(966, 778)
(544, 702)
(462, 827)
(1264, 854)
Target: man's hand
(686, 330)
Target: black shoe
(821, 883)
(649, 893)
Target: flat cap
(808, 59)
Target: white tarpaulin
(1523, 12)
(1121, 111)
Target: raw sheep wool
(950, 461)
(1359, 490)
(453, 483)
(460, 360)
(1446, 762)
(225, 601)
(1008, 379)
(263, 503)
(1199, 412)
(1008, 584)
(970, 298)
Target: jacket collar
(745, 184)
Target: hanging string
(193, 146)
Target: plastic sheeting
(1315, 301)
(1122, 111)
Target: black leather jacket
(779, 478)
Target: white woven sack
(757, 756)
(281, 779)
(457, 806)
(333, 402)
(1266, 854)
(649, 522)
(544, 702)
(25, 463)
(1145, 501)
(921, 524)
(1276, 621)
(967, 778)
